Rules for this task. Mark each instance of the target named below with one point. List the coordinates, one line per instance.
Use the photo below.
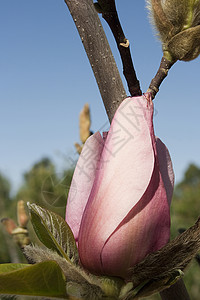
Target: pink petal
(166, 168)
(82, 181)
(144, 230)
(125, 171)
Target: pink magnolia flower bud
(120, 210)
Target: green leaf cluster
(43, 280)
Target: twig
(164, 67)
(176, 292)
(99, 53)
(109, 13)
(197, 257)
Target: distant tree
(8, 250)
(191, 176)
(4, 192)
(42, 185)
(186, 202)
(184, 211)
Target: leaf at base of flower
(81, 284)
(125, 290)
(71, 271)
(45, 279)
(85, 291)
(5, 268)
(54, 232)
(111, 286)
(176, 255)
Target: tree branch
(99, 53)
(109, 13)
(162, 72)
(176, 292)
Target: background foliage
(42, 185)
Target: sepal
(54, 232)
(78, 283)
(45, 279)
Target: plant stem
(162, 72)
(197, 257)
(176, 292)
(111, 17)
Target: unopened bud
(178, 25)
(186, 44)
(84, 123)
(22, 216)
(78, 147)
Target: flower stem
(162, 72)
(176, 292)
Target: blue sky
(45, 79)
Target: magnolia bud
(178, 25)
(84, 127)
(21, 214)
(78, 147)
(186, 44)
(84, 123)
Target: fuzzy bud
(178, 26)
(84, 123)
(21, 214)
(84, 127)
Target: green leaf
(54, 232)
(45, 279)
(4, 268)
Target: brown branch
(109, 13)
(175, 292)
(197, 257)
(99, 53)
(162, 72)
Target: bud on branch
(178, 26)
